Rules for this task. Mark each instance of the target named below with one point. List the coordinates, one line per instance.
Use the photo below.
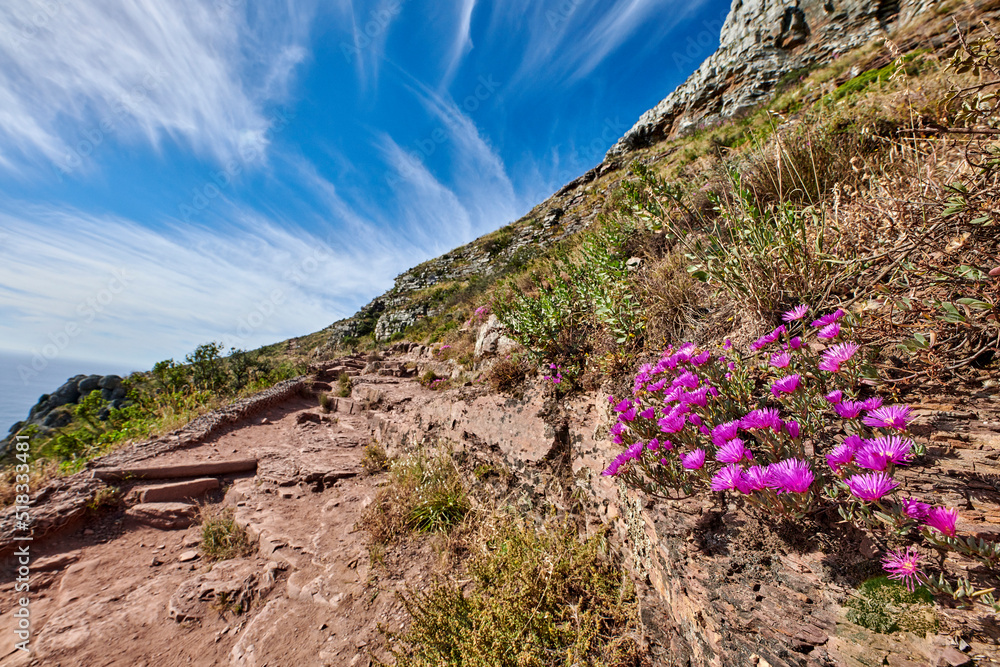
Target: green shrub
(885, 606)
(221, 537)
(344, 385)
(425, 493)
(374, 459)
(539, 597)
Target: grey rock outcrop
(492, 340)
(761, 41)
(54, 410)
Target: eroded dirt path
(117, 592)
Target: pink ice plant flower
(793, 430)
(733, 451)
(871, 486)
(693, 460)
(786, 385)
(834, 396)
(648, 413)
(726, 478)
(790, 476)
(753, 479)
(848, 409)
(762, 419)
(781, 359)
(795, 343)
(840, 456)
(942, 520)
(623, 406)
(725, 432)
(796, 313)
(894, 449)
(904, 566)
(829, 331)
(873, 403)
(766, 340)
(829, 318)
(915, 509)
(836, 355)
(889, 416)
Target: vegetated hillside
(789, 167)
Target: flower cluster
(556, 377)
(696, 422)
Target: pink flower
(653, 445)
(726, 478)
(694, 419)
(725, 432)
(829, 318)
(617, 428)
(796, 313)
(873, 403)
(829, 331)
(628, 415)
(848, 409)
(834, 396)
(790, 476)
(671, 424)
(733, 451)
(623, 406)
(889, 416)
(657, 386)
(871, 486)
(761, 419)
(700, 359)
(648, 413)
(694, 460)
(785, 385)
(915, 509)
(896, 450)
(795, 343)
(841, 455)
(836, 355)
(792, 428)
(753, 479)
(904, 566)
(781, 359)
(942, 520)
(766, 340)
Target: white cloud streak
(195, 72)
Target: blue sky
(194, 170)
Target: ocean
(18, 394)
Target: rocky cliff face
(762, 41)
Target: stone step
(165, 516)
(177, 491)
(177, 471)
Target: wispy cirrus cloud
(568, 40)
(195, 72)
(141, 294)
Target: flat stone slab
(165, 516)
(177, 491)
(177, 471)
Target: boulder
(492, 341)
(88, 384)
(177, 491)
(165, 516)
